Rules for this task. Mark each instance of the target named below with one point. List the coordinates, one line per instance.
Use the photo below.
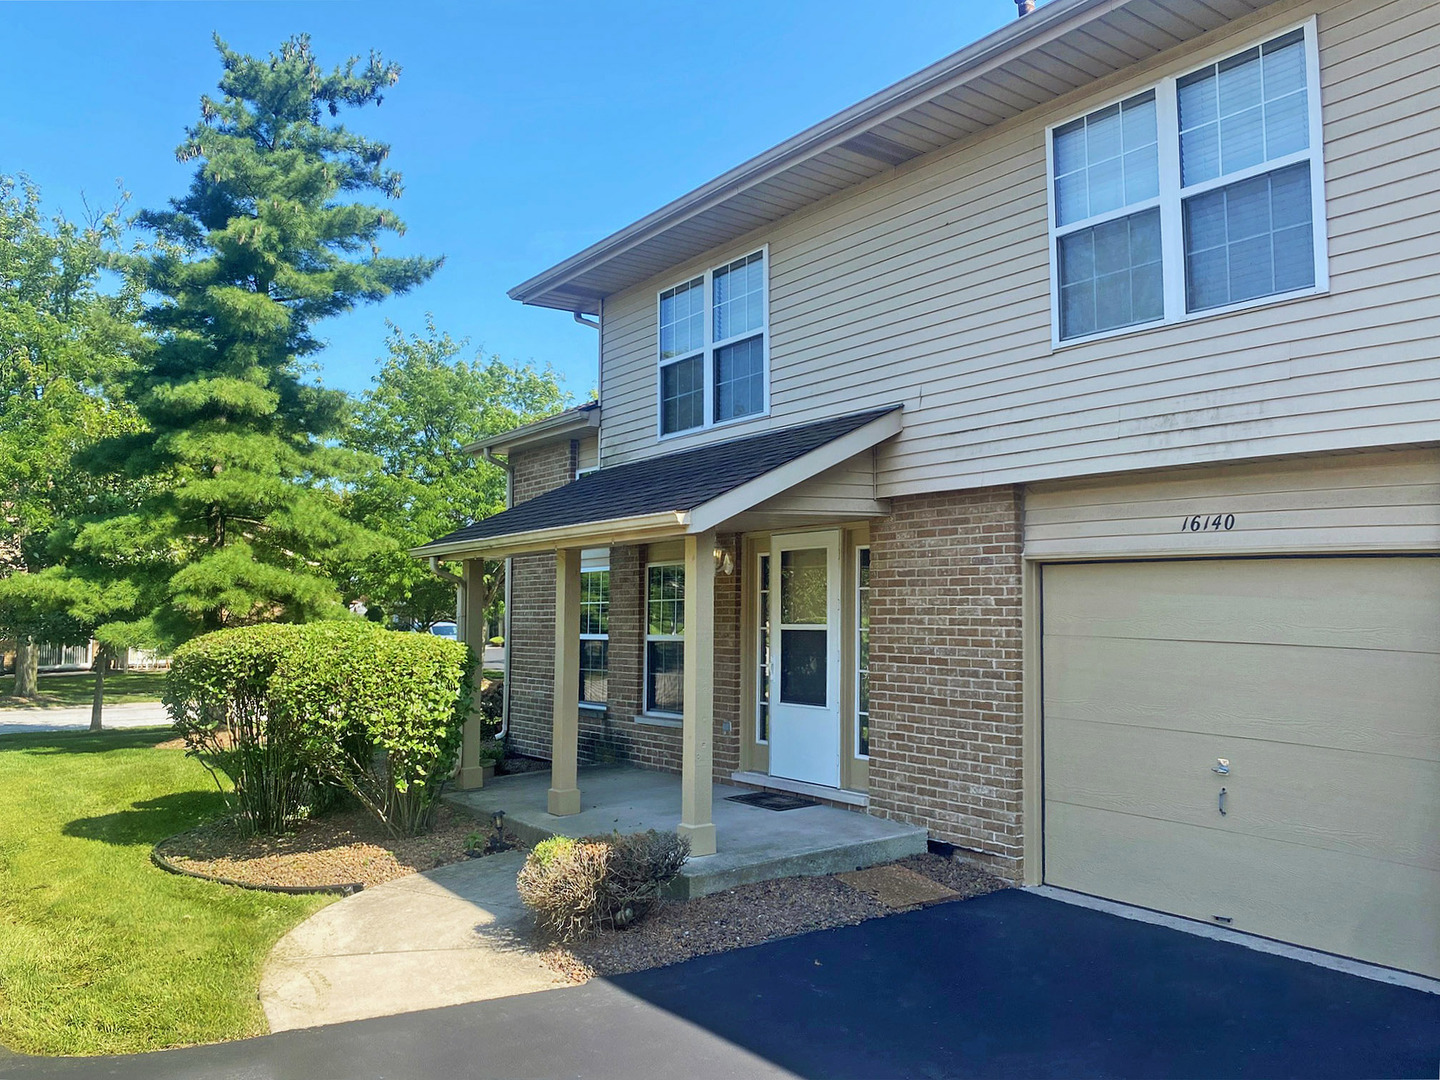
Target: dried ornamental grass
(577, 888)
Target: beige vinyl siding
(930, 286)
(587, 453)
(845, 488)
(1386, 501)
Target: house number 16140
(1208, 523)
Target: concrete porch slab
(755, 844)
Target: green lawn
(79, 689)
(101, 951)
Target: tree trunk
(27, 668)
(102, 663)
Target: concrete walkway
(449, 936)
(77, 717)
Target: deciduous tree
(425, 405)
(63, 345)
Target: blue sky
(525, 131)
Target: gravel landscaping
(748, 915)
(341, 848)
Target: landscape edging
(344, 889)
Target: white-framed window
(594, 635)
(714, 347)
(862, 652)
(762, 646)
(665, 638)
(1201, 194)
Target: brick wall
(530, 680)
(727, 664)
(945, 698)
(614, 734)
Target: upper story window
(714, 347)
(1203, 193)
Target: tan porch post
(470, 612)
(697, 747)
(564, 795)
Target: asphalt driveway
(1010, 984)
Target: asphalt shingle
(676, 482)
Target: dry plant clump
(577, 888)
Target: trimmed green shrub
(218, 695)
(577, 888)
(293, 714)
(381, 712)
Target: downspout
(462, 620)
(489, 458)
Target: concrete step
(754, 844)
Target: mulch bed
(344, 847)
(748, 915)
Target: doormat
(898, 887)
(772, 800)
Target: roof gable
(674, 484)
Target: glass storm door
(805, 673)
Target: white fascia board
(778, 481)
(540, 432)
(667, 524)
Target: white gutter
(488, 454)
(612, 530)
(580, 418)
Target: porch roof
(689, 491)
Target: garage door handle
(1222, 802)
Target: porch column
(470, 628)
(564, 795)
(697, 749)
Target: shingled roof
(673, 483)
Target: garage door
(1254, 743)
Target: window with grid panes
(594, 636)
(1192, 196)
(712, 347)
(665, 638)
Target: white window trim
(1172, 238)
(598, 705)
(645, 709)
(855, 745)
(761, 689)
(707, 352)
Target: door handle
(1222, 802)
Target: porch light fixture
(724, 562)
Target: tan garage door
(1317, 680)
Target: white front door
(805, 674)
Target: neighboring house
(1044, 451)
(81, 658)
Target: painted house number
(1208, 523)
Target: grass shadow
(150, 820)
(86, 742)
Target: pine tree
(272, 236)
